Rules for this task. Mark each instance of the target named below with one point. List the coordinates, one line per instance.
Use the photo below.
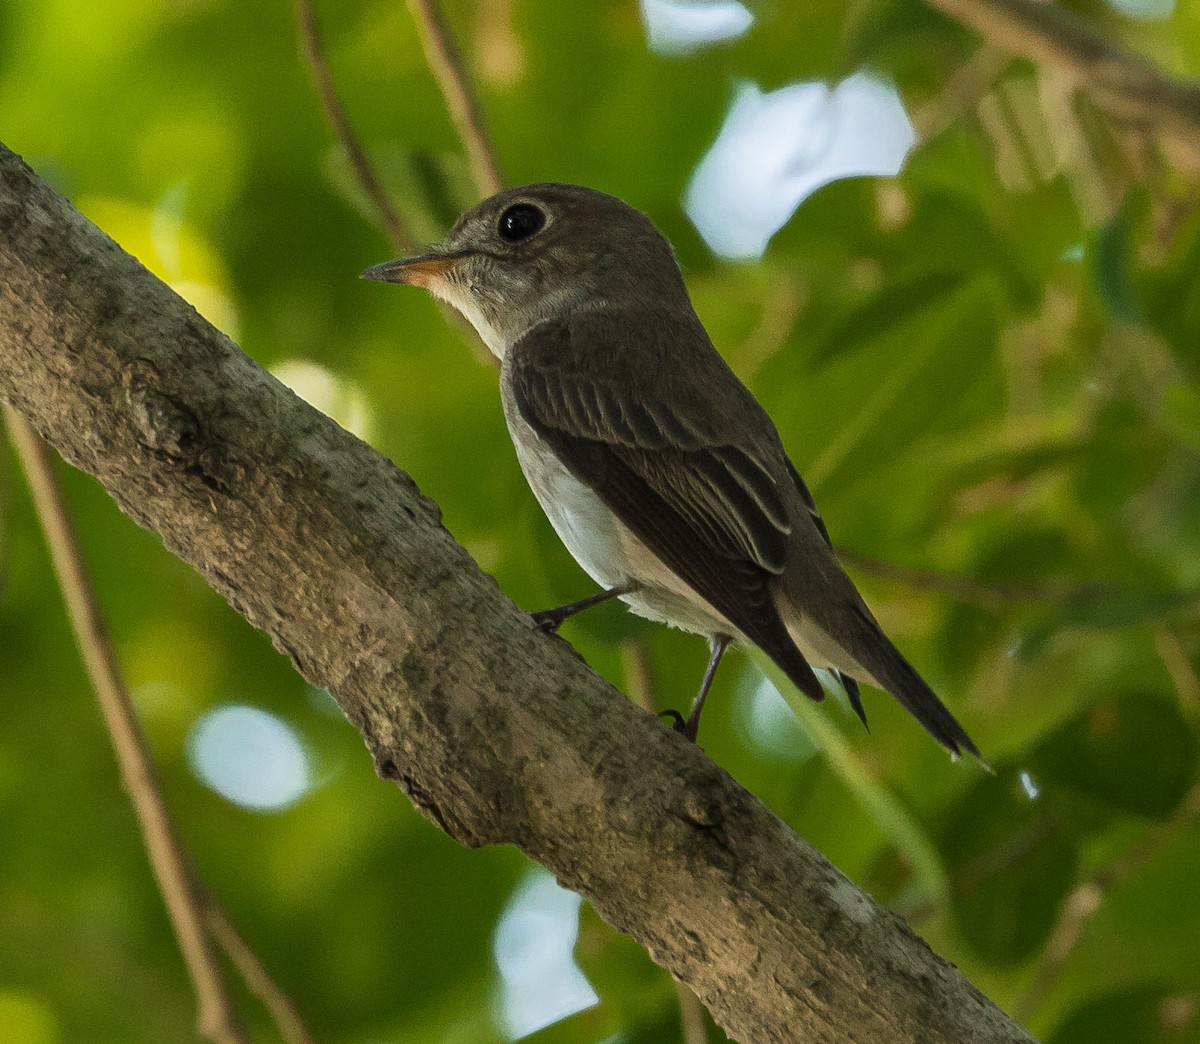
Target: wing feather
(710, 506)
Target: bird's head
(538, 252)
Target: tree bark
(498, 732)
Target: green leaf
(1134, 752)
(913, 380)
(1112, 265)
(1011, 861)
(1143, 1015)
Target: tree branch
(217, 1016)
(450, 71)
(192, 908)
(254, 973)
(498, 732)
(335, 114)
(1126, 84)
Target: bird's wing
(680, 471)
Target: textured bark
(496, 731)
(1130, 87)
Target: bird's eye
(520, 221)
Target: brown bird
(656, 466)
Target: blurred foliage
(988, 366)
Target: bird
(657, 467)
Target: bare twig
(636, 668)
(962, 93)
(1178, 663)
(1077, 910)
(1088, 897)
(1127, 85)
(257, 978)
(965, 588)
(217, 1018)
(691, 1016)
(498, 48)
(364, 173)
(188, 901)
(448, 67)
(780, 309)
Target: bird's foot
(549, 620)
(686, 727)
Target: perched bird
(657, 467)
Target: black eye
(520, 221)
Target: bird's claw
(677, 722)
(684, 726)
(547, 620)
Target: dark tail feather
(854, 695)
(890, 669)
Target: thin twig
(963, 93)
(691, 1016)
(635, 665)
(446, 62)
(1178, 662)
(967, 589)
(498, 49)
(1077, 910)
(780, 310)
(1124, 83)
(217, 1017)
(1088, 897)
(360, 166)
(280, 1006)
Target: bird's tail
(889, 669)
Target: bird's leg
(718, 643)
(550, 620)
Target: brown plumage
(655, 464)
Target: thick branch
(498, 732)
(1124, 83)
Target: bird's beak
(416, 271)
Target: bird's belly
(581, 519)
(604, 546)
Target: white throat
(560, 302)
